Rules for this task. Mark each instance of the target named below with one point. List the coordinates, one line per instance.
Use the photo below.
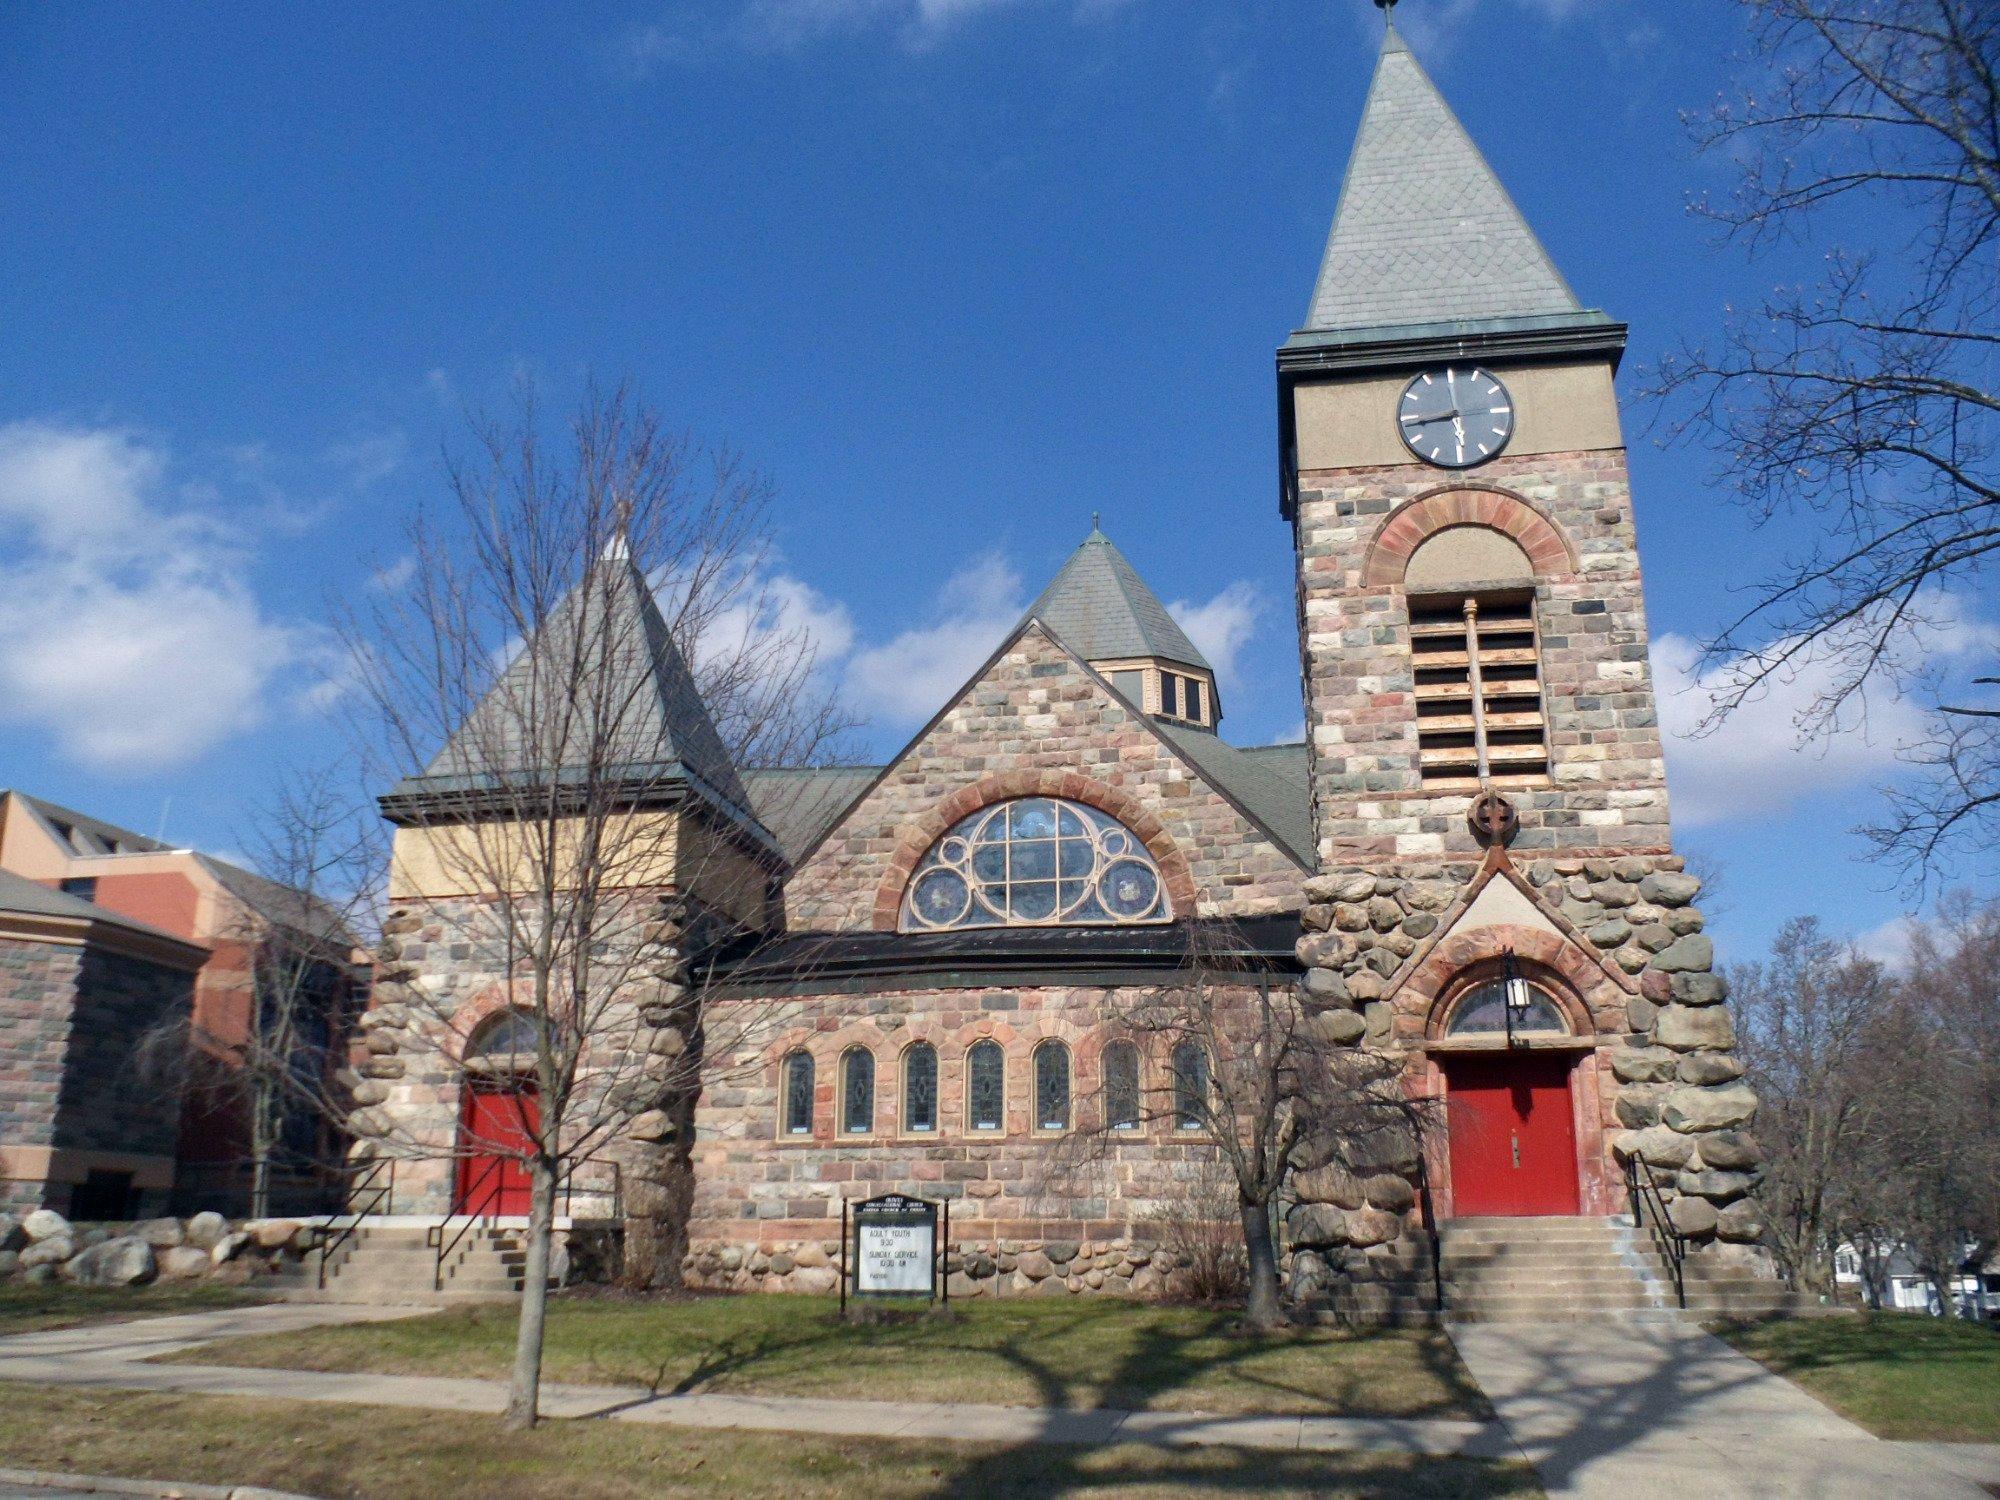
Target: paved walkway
(113, 1357)
(1630, 1411)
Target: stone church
(1466, 868)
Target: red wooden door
(1513, 1137)
(499, 1120)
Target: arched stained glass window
(920, 1088)
(1190, 1086)
(1032, 863)
(798, 1085)
(857, 1091)
(1483, 1012)
(1121, 1086)
(509, 1036)
(985, 1087)
(1052, 1086)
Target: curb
(157, 1489)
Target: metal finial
(1097, 520)
(1386, 5)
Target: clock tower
(1497, 904)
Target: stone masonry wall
(1039, 717)
(37, 989)
(1029, 1209)
(1608, 777)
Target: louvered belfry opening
(1487, 639)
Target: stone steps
(399, 1264)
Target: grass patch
(1900, 1375)
(386, 1453)
(34, 1309)
(1082, 1353)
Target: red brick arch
(1593, 1002)
(917, 837)
(1408, 526)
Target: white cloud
(1889, 943)
(909, 678)
(1222, 627)
(1761, 759)
(763, 608)
(128, 629)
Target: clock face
(1455, 417)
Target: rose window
(1038, 862)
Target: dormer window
(1184, 698)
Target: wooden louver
(1489, 641)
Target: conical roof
(1425, 233)
(636, 705)
(1102, 610)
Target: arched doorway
(1508, 1102)
(498, 1116)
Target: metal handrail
(374, 1193)
(477, 1206)
(1646, 1197)
(1431, 1232)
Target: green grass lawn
(32, 1309)
(1900, 1375)
(387, 1454)
(1081, 1353)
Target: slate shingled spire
(660, 724)
(1425, 233)
(1102, 610)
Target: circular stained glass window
(1035, 862)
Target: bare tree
(584, 828)
(1807, 1022)
(1867, 403)
(1252, 1070)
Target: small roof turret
(1102, 610)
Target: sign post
(893, 1248)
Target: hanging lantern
(1515, 989)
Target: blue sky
(955, 273)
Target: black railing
(1648, 1204)
(1431, 1233)
(478, 1203)
(373, 1192)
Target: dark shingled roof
(1425, 234)
(662, 723)
(797, 806)
(1101, 609)
(88, 835)
(1270, 781)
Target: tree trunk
(524, 1390)
(261, 1135)
(1264, 1311)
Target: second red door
(1513, 1137)
(498, 1128)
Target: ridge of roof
(1103, 610)
(1424, 231)
(104, 832)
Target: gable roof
(1102, 610)
(1424, 232)
(80, 833)
(1221, 781)
(661, 725)
(798, 805)
(20, 896)
(1271, 781)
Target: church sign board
(892, 1248)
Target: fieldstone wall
(1039, 723)
(89, 1057)
(1608, 781)
(767, 1206)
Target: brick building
(246, 929)
(1466, 867)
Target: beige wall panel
(426, 863)
(1567, 408)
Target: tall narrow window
(1121, 1086)
(1052, 1086)
(1479, 691)
(1190, 1086)
(1191, 693)
(986, 1087)
(1170, 695)
(798, 1094)
(920, 1088)
(857, 1091)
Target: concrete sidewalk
(1636, 1410)
(113, 1357)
